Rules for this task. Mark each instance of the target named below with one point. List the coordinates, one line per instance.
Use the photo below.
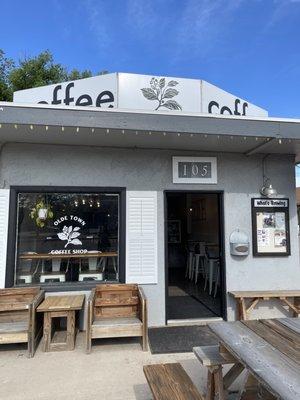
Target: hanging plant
(40, 213)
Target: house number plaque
(195, 170)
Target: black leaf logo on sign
(161, 92)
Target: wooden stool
(60, 307)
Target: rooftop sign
(141, 92)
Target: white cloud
(203, 22)
(98, 21)
(142, 17)
(281, 9)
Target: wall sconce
(267, 190)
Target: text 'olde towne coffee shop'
(171, 183)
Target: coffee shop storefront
(90, 196)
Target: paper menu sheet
(271, 232)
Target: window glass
(67, 237)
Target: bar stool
(55, 275)
(94, 273)
(212, 273)
(217, 280)
(199, 259)
(26, 273)
(190, 261)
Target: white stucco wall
(239, 176)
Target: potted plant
(40, 213)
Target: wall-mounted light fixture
(267, 189)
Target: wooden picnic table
(247, 300)
(268, 349)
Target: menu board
(270, 227)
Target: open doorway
(194, 255)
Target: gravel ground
(113, 371)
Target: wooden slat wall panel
(141, 237)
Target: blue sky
(248, 47)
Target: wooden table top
(61, 303)
(269, 349)
(265, 293)
(47, 256)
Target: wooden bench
(170, 382)
(116, 310)
(247, 300)
(214, 357)
(19, 322)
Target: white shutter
(4, 211)
(141, 237)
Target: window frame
(12, 234)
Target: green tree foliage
(75, 74)
(6, 66)
(36, 71)
(32, 72)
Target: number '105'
(196, 170)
